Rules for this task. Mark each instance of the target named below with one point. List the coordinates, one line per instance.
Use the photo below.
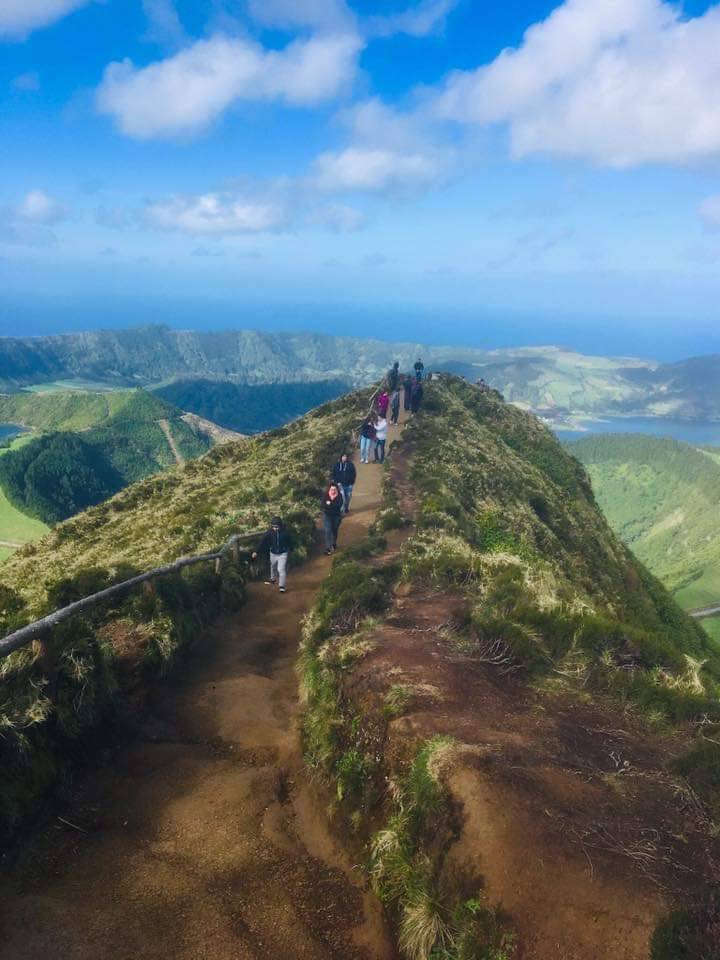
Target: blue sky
(451, 170)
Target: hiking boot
(282, 590)
(328, 553)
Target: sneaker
(282, 590)
(271, 583)
(328, 553)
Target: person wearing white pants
(278, 542)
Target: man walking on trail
(419, 369)
(332, 506)
(344, 474)
(407, 390)
(395, 406)
(278, 542)
(394, 376)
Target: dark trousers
(331, 525)
(395, 414)
(379, 451)
(407, 399)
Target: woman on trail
(395, 406)
(278, 542)
(332, 506)
(383, 402)
(407, 390)
(381, 429)
(367, 439)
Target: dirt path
(204, 839)
(10, 543)
(165, 427)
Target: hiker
(395, 406)
(333, 506)
(367, 439)
(344, 474)
(381, 429)
(394, 376)
(383, 402)
(416, 397)
(278, 542)
(419, 368)
(407, 390)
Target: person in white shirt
(381, 431)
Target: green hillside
(662, 498)
(122, 439)
(250, 409)
(237, 487)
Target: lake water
(9, 430)
(696, 432)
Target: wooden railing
(41, 630)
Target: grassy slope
(235, 488)
(508, 530)
(661, 497)
(16, 526)
(62, 410)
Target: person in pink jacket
(383, 402)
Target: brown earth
(202, 838)
(565, 814)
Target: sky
(444, 170)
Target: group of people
(335, 501)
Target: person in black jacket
(344, 475)
(407, 390)
(332, 507)
(278, 542)
(394, 376)
(419, 369)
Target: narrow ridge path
(165, 427)
(205, 838)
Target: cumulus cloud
(616, 82)
(215, 214)
(20, 17)
(372, 169)
(186, 92)
(37, 207)
(420, 20)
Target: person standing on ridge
(344, 474)
(367, 438)
(395, 406)
(419, 369)
(332, 506)
(383, 402)
(417, 395)
(381, 430)
(407, 390)
(394, 376)
(278, 542)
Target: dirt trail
(165, 427)
(205, 840)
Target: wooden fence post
(218, 566)
(235, 550)
(48, 664)
(149, 588)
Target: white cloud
(27, 82)
(616, 82)
(339, 218)
(164, 24)
(420, 20)
(38, 208)
(20, 17)
(710, 212)
(287, 14)
(186, 92)
(372, 169)
(215, 214)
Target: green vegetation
(235, 488)
(661, 498)
(57, 475)
(250, 409)
(63, 410)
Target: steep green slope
(250, 409)
(235, 488)
(59, 474)
(662, 498)
(70, 410)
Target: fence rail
(41, 629)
